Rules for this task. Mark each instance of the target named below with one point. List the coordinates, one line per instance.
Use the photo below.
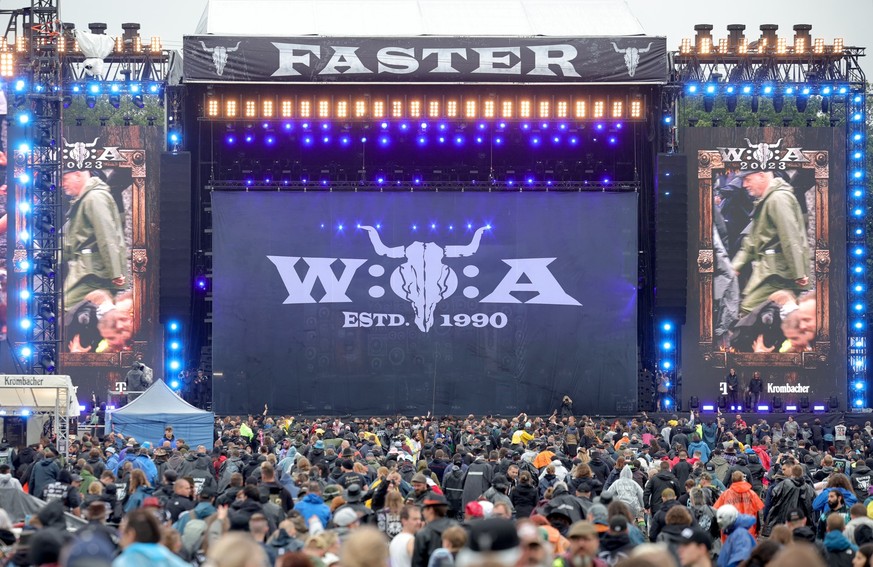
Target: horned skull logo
(423, 279)
(219, 55)
(631, 56)
(79, 151)
(763, 152)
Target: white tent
(349, 18)
(48, 396)
(36, 393)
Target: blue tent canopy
(145, 418)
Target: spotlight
(115, 100)
(45, 223)
(804, 403)
(693, 403)
(44, 138)
(137, 101)
(47, 311)
(174, 326)
(754, 103)
(833, 402)
(731, 102)
(91, 101)
(47, 361)
(825, 104)
(46, 266)
(174, 384)
(778, 103)
(175, 365)
(800, 101)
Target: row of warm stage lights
(704, 46)
(769, 43)
(8, 52)
(415, 109)
(65, 45)
(442, 133)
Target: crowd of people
(556, 491)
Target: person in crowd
(140, 536)
(838, 550)
(739, 541)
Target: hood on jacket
(804, 533)
(626, 472)
(836, 541)
(744, 521)
(741, 486)
(313, 499)
(203, 510)
(665, 475)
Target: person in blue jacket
(140, 538)
(740, 542)
(313, 505)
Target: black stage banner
(767, 257)
(455, 303)
(637, 59)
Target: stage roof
(349, 18)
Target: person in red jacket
(741, 496)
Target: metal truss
(448, 186)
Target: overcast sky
(849, 19)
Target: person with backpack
(6, 478)
(704, 515)
(275, 492)
(180, 501)
(7, 454)
(524, 496)
(453, 486)
(615, 544)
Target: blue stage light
(535, 141)
(858, 193)
(668, 402)
(858, 212)
(859, 385)
(345, 140)
(825, 90)
(174, 384)
(859, 325)
(789, 90)
(270, 140)
(174, 137)
(858, 269)
(857, 137)
(730, 89)
(692, 88)
(666, 364)
(768, 89)
(173, 326)
(384, 125)
(710, 89)
(857, 117)
(25, 413)
(94, 88)
(24, 294)
(325, 139)
(498, 141)
(135, 88)
(668, 119)
(667, 326)
(25, 323)
(154, 88)
(19, 85)
(307, 140)
(230, 139)
(747, 89)
(26, 351)
(805, 91)
(24, 118)
(174, 345)
(859, 288)
(459, 140)
(858, 174)
(667, 345)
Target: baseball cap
(435, 500)
(582, 529)
(344, 516)
(794, 514)
(694, 534)
(617, 525)
(474, 510)
(110, 450)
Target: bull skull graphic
(219, 55)
(80, 151)
(631, 56)
(763, 152)
(423, 280)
